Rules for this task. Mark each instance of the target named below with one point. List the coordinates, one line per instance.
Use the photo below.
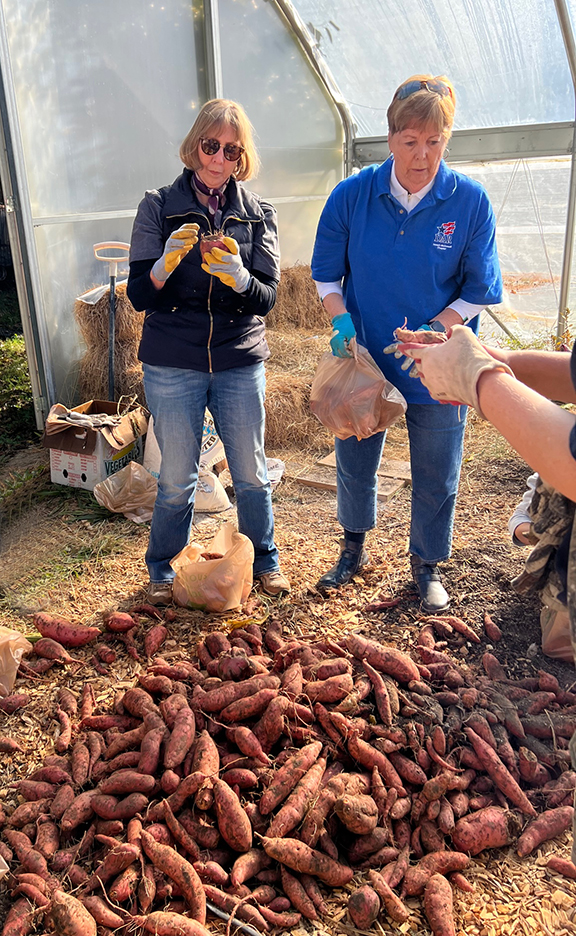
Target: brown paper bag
(214, 584)
(352, 397)
(13, 646)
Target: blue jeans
(436, 435)
(177, 399)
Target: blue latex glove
(407, 362)
(344, 332)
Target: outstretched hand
(451, 370)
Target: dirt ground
(58, 553)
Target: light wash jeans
(436, 434)
(177, 399)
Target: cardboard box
(83, 457)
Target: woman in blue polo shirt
(407, 242)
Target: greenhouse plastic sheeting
(505, 57)
(103, 94)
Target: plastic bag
(211, 496)
(352, 397)
(131, 491)
(556, 639)
(13, 646)
(218, 584)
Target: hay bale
(93, 320)
(93, 371)
(297, 302)
(296, 350)
(289, 422)
(93, 374)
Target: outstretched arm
(536, 428)
(547, 372)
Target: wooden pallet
(389, 467)
(323, 477)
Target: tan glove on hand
(451, 371)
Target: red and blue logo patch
(444, 234)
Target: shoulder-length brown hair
(214, 117)
(423, 108)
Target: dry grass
(297, 303)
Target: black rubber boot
(433, 595)
(352, 557)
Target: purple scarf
(216, 197)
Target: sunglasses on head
(434, 85)
(232, 151)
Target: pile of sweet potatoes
(252, 779)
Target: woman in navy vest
(203, 340)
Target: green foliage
(17, 425)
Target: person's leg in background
(236, 401)
(177, 400)
(436, 433)
(357, 462)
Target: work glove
(176, 247)
(344, 332)
(426, 335)
(451, 370)
(227, 265)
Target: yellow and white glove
(227, 265)
(176, 247)
(451, 370)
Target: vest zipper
(211, 327)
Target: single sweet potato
(301, 857)
(364, 907)
(439, 907)
(63, 631)
(166, 859)
(167, 923)
(547, 826)
(359, 813)
(233, 823)
(70, 917)
(491, 827)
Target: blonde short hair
(214, 117)
(423, 107)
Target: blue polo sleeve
(330, 255)
(481, 276)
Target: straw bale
(297, 302)
(128, 381)
(93, 320)
(289, 421)
(295, 350)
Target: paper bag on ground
(218, 584)
(13, 646)
(132, 492)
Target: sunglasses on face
(232, 151)
(434, 85)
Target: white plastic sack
(13, 646)
(275, 469)
(210, 494)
